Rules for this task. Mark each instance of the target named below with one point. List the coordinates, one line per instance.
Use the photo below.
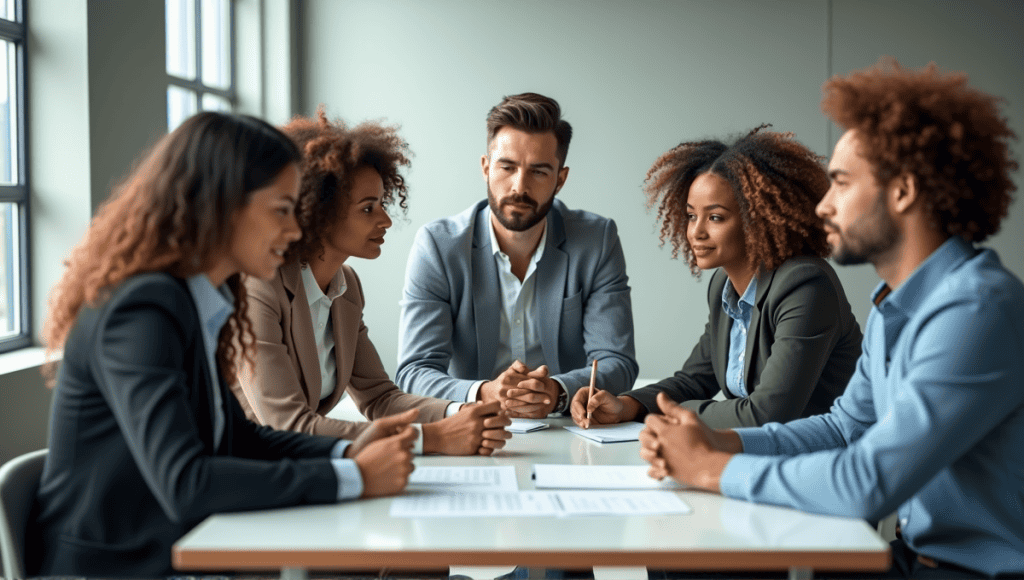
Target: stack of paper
(609, 433)
(525, 426)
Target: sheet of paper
(598, 477)
(523, 503)
(526, 426)
(538, 503)
(609, 433)
(458, 479)
(623, 503)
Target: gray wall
(634, 79)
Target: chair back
(19, 480)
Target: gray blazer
(802, 347)
(448, 333)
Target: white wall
(634, 79)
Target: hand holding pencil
(594, 406)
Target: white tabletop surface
(721, 533)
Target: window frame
(196, 86)
(15, 32)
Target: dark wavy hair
(332, 153)
(174, 213)
(532, 113)
(931, 125)
(777, 183)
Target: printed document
(629, 431)
(538, 503)
(598, 477)
(458, 480)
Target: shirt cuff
(736, 480)
(568, 399)
(338, 451)
(756, 441)
(471, 395)
(350, 480)
(452, 409)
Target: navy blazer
(802, 348)
(451, 305)
(132, 465)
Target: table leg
(294, 574)
(797, 573)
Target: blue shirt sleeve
(350, 480)
(940, 403)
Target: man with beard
(932, 422)
(513, 298)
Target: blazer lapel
(486, 295)
(301, 329)
(722, 324)
(550, 290)
(764, 281)
(345, 317)
(209, 382)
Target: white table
(720, 534)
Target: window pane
(181, 38)
(10, 283)
(7, 10)
(216, 25)
(215, 103)
(8, 114)
(181, 104)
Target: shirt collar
(925, 278)
(537, 255)
(733, 303)
(215, 304)
(314, 294)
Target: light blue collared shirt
(215, 306)
(738, 308)
(931, 424)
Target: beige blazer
(282, 389)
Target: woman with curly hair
(312, 348)
(146, 440)
(781, 341)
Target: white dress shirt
(323, 333)
(519, 331)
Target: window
(15, 326)
(200, 58)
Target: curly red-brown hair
(931, 125)
(777, 183)
(174, 213)
(332, 153)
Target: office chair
(19, 479)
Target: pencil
(593, 375)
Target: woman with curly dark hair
(781, 341)
(312, 348)
(146, 440)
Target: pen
(593, 374)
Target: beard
(516, 221)
(868, 239)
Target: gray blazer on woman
(802, 346)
